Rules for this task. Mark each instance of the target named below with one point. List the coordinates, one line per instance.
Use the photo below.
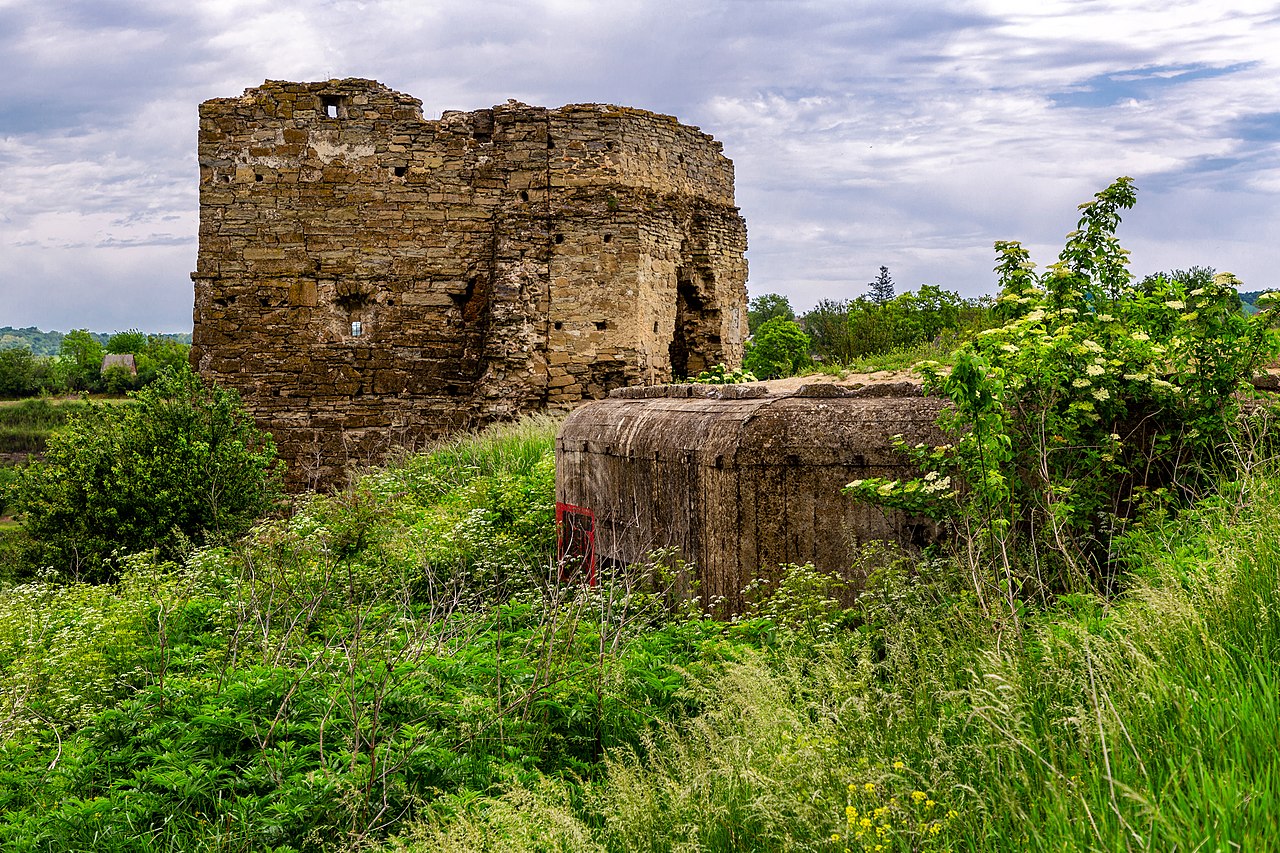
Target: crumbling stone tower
(367, 278)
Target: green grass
(392, 667)
(25, 425)
(1143, 723)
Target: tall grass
(1145, 723)
(25, 426)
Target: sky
(906, 134)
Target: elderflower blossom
(1175, 304)
(1091, 346)
(1136, 377)
(1035, 316)
(1009, 348)
(1140, 336)
(1101, 394)
(1104, 318)
(1080, 383)
(1095, 369)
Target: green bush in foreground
(1096, 403)
(184, 464)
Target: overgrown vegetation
(1096, 405)
(25, 426)
(29, 369)
(860, 333)
(181, 465)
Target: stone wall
(367, 278)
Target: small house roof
(124, 360)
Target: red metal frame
(576, 543)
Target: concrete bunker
(736, 478)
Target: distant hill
(1249, 298)
(48, 343)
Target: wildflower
(919, 796)
(898, 765)
(935, 829)
(835, 837)
(928, 804)
(869, 787)
(953, 814)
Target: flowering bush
(1096, 399)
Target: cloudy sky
(909, 134)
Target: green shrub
(182, 464)
(780, 348)
(1095, 402)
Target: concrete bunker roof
(748, 426)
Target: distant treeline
(79, 363)
(50, 343)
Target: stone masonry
(368, 279)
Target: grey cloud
(909, 134)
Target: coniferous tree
(882, 287)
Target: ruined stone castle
(367, 278)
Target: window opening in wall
(524, 195)
(576, 543)
(559, 239)
(257, 178)
(655, 327)
(331, 105)
(601, 325)
(357, 328)
(400, 170)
